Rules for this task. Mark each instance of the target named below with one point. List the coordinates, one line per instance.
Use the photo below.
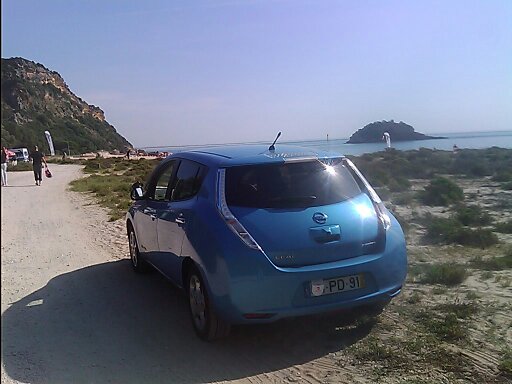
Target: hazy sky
(196, 72)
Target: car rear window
(290, 184)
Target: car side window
(159, 192)
(188, 180)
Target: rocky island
(373, 132)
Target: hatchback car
(255, 234)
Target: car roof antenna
(272, 148)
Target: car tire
(139, 265)
(207, 325)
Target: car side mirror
(137, 191)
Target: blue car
(255, 234)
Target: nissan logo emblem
(319, 217)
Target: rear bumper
(254, 286)
(274, 314)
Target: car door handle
(180, 220)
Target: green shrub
(404, 198)
(506, 363)
(442, 191)
(494, 263)
(111, 180)
(399, 184)
(503, 203)
(451, 231)
(445, 327)
(481, 238)
(460, 310)
(472, 215)
(503, 176)
(60, 160)
(469, 163)
(440, 230)
(507, 186)
(449, 274)
(373, 350)
(19, 167)
(504, 227)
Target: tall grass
(451, 231)
(110, 181)
(441, 191)
(497, 263)
(449, 274)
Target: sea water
(466, 140)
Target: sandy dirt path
(74, 312)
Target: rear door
(146, 217)
(175, 218)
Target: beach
(47, 232)
(73, 311)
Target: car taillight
(383, 216)
(380, 209)
(231, 221)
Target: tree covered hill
(36, 99)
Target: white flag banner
(50, 142)
(387, 138)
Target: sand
(74, 312)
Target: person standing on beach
(5, 158)
(37, 164)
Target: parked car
(254, 235)
(21, 154)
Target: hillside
(35, 99)
(372, 133)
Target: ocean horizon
(463, 140)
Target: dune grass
(110, 181)
(504, 227)
(495, 263)
(448, 274)
(19, 167)
(505, 365)
(434, 323)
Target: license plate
(338, 284)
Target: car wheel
(207, 325)
(139, 265)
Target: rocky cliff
(372, 133)
(35, 99)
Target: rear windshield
(290, 185)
